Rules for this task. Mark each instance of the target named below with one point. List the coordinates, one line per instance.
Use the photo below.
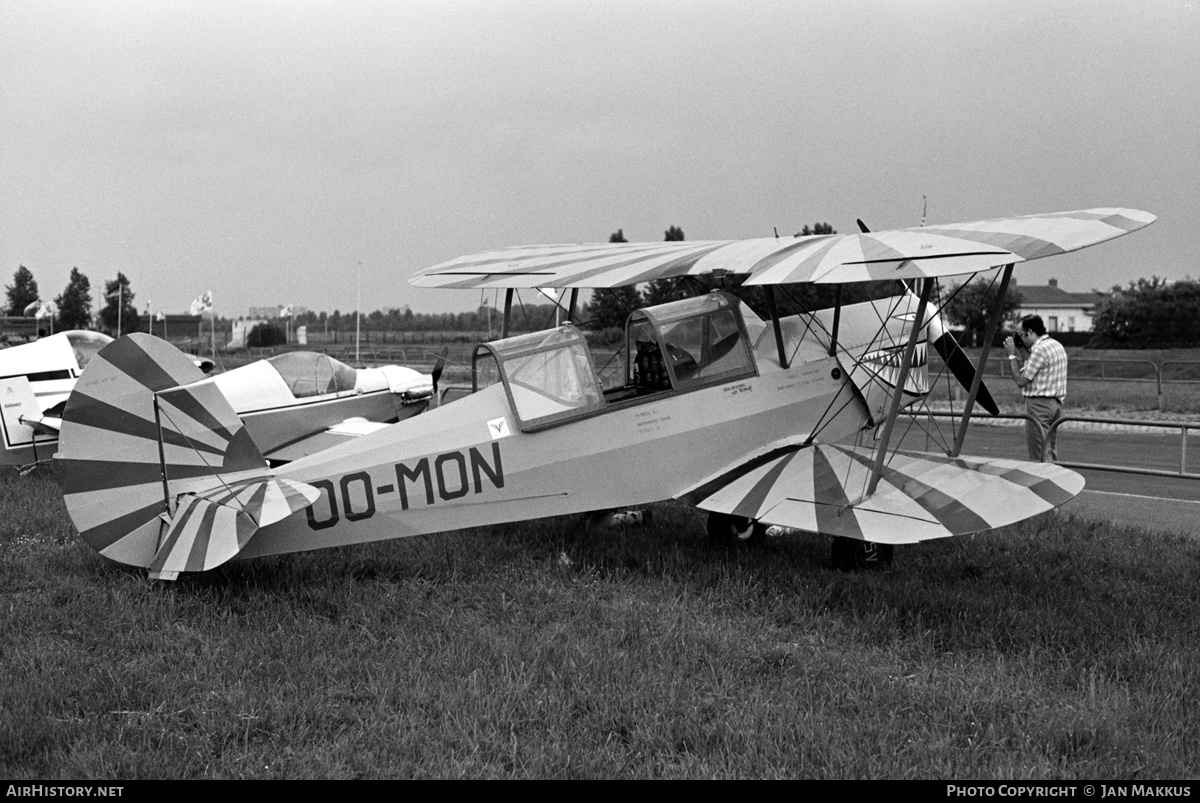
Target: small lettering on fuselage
(444, 477)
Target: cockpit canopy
(550, 376)
(308, 373)
(86, 344)
(688, 344)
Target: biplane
(293, 404)
(778, 420)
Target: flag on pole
(202, 304)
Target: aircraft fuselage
(469, 464)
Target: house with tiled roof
(1060, 310)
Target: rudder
(158, 472)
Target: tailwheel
(726, 530)
(851, 554)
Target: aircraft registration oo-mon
(787, 420)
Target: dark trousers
(1045, 410)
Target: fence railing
(1164, 376)
(1185, 429)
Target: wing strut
(977, 381)
(774, 312)
(837, 319)
(572, 305)
(162, 459)
(508, 297)
(901, 380)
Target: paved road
(1167, 504)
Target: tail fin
(160, 473)
(22, 441)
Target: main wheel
(852, 555)
(726, 530)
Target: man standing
(1042, 380)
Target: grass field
(1058, 648)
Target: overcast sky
(266, 150)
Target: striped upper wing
(897, 254)
(586, 265)
(819, 488)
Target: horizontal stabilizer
(47, 425)
(210, 528)
(348, 430)
(411, 386)
(820, 488)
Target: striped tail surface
(212, 524)
(159, 474)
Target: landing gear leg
(726, 530)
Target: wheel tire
(853, 555)
(728, 531)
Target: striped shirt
(1046, 369)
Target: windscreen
(308, 373)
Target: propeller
(952, 354)
(438, 367)
(959, 363)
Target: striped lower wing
(820, 488)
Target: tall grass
(1060, 648)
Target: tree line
(1149, 313)
(72, 308)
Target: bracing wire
(232, 493)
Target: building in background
(277, 311)
(1060, 310)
